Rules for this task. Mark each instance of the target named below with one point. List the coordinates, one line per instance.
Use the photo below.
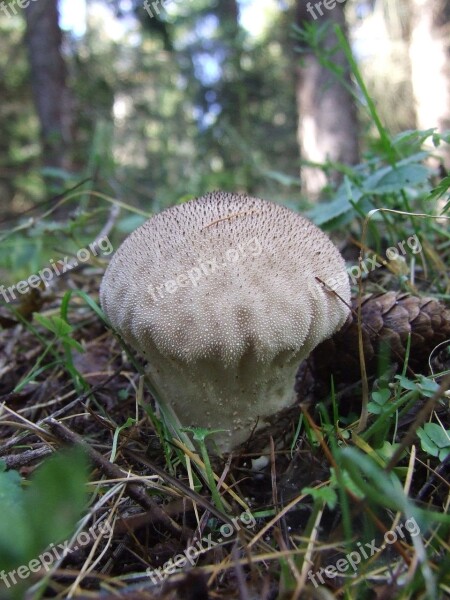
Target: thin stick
(135, 491)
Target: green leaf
(434, 440)
(375, 483)
(427, 386)
(341, 205)
(387, 450)
(411, 138)
(384, 488)
(325, 494)
(347, 480)
(201, 433)
(54, 324)
(56, 499)
(396, 179)
(440, 190)
(73, 344)
(406, 383)
(324, 212)
(129, 423)
(380, 398)
(13, 521)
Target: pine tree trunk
(231, 89)
(430, 64)
(327, 126)
(48, 78)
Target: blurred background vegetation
(153, 105)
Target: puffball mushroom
(224, 296)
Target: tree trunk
(430, 64)
(327, 126)
(48, 79)
(231, 93)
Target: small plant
(43, 511)
(435, 440)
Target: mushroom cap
(223, 296)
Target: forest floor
(312, 522)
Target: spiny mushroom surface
(221, 296)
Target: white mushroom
(223, 297)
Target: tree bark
(327, 116)
(232, 90)
(430, 64)
(48, 78)
(231, 93)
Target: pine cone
(387, 320)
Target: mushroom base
(238, 402)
